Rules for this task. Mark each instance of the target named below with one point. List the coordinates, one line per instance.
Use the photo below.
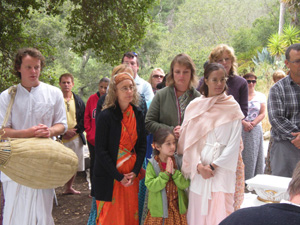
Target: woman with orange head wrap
(120, 146)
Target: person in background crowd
(38, 111)
(277, 75)
(237, 86)
(168, 105)
(120, 147)
(162, 84)
(252, 133)
(90, 118)
(144, 88)
(285, 212)
(73, 138)
(157, 75)
(283, 111)
(210, 142)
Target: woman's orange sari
(123, 209)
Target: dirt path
(73, 209)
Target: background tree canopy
(70, 33)
(87, 38)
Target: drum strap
(12, 91)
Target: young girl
(167, 200)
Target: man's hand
(70, 133)
(41, 131)
(176, 131)
(296, 140)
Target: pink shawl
(202, 115)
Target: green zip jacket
(163, 111)
(156, 182)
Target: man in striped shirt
(284, 116)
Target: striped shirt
(284, 109)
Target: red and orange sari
(123, 209)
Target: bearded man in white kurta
(38, 111)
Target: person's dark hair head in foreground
(286, 212)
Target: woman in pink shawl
(210, 141)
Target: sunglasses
(251, 81)
(158, 76)
(68, 106)
(129, 53)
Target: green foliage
(102, 30)
(13, 16)
(198, 26)
(263, 56)
(110, 28)
(278, 43)
(293, 7)
(291, 35)
(79, 37)
(264, 72)
(244, 40)
(164, 12)
(264, 26)
(248, 40)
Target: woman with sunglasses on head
(157, 75)
(120, 146)
(253, 153)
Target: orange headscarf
(118, 78)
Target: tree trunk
(281, 17)
(85, 59)
(295, 20)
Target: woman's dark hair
(249, 75)
(159, 137)
(295, 47)
(211, 67)
(294, 185)
(104, 79)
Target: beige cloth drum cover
(37, 162)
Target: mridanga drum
(37, 162)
